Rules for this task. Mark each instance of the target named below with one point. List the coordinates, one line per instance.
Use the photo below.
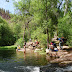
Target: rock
(58, 60)
(48, 57)
(47, 51)
(65, 63)
(30, 47)
(41, 48)
(37, 49)
(65, 59)
(62, 53)
(65, 47)
(54, 39)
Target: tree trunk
(28, 32)
(47, 27)
(47, 39)
(66, 7)
(26, 26)
(24, 33)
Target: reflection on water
(7, 53)
(12, 61)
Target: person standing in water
(25, 47)
(61, 41)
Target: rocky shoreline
(62, 57)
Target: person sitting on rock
(18, 48)
(37, 43)
(53, 46)
(53, 50)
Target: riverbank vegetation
(8, 47)
(37, 19)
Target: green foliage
(8, 47)
(40, 36)
(17, 26)
(2, 21)
(20, 42)
(65, 28)
(43, 40)
(43, 16)
(34, 17)
(6, 35)
(17, 29)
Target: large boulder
(63, 60)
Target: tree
(6, 35)
(65, 28)
(44, 14)
(23, 8)
(41, 11)
(67, 6)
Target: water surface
(12, 61)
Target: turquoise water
(12, 61)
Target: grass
(70, 46)
(8, 47)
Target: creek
(12, 61)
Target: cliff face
(4, 14)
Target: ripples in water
(12, 61)
(28, 68)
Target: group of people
(35, 44)
(53, 46)
(31, 44)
